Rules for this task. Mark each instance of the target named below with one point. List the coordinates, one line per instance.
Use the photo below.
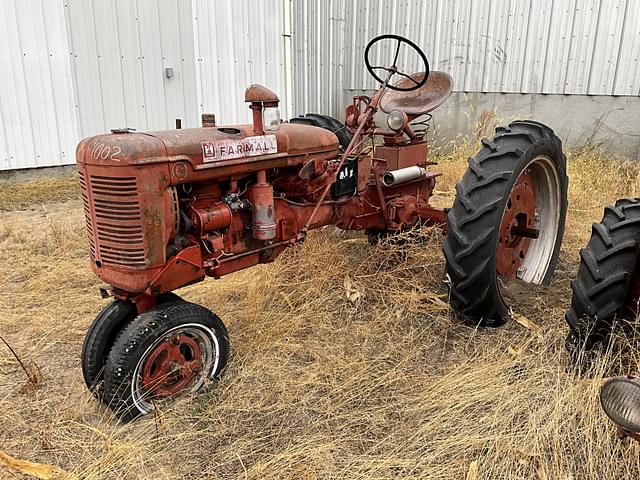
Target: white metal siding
(78, 67)
(237, 43)
(216, 49)
(119, 51)
(37, 120)
(74, 68)
(588, 47)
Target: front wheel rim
(175, 364)
(536, 254)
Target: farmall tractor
(167, 209)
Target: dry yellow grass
(386, 385)
(20, 196)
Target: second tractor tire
(475, 220)
(601, 286)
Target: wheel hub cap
(171, 365)
(517, 227)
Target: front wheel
(170, 350)
(507, 219)
(102, 333)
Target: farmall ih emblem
(244, 147)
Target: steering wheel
(393, 69)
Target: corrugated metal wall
(237, 43)
(119, 50)
(587, 47)
(37, 118)
(74, 68)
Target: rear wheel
(101, 334)
(328, 123)
(170, 350)
(507, 219)
(601, 289)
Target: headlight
(271, 119)
(397, 120)
(620, 400)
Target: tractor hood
(210, 147)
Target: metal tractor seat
(422, 100)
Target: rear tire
(102, 333)
(167, 351)
(526, 155)
(328, 123)
(601, 287)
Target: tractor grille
(115, 229)
(87, 214)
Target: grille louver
(87, 215)
(115, 229)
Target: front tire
(514, 187)
(102, 333)
(170, 350)
(602, 284)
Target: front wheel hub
(171, 366)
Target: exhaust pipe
(403, 175)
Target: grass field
(346, 361)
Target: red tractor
(167, 209)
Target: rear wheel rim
(177, 363)
(534, 202)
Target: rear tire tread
(601, 286)
(477, 213)
(328, 123)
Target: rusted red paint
(418, 102)
(257, 93)
(208, 120)
(182, 269)
(403, 155)
(622, 434)
(214, 217)
(142, 301)
(520, 211)
(171, 366)
(434, 217)
(177, 213)
(263, 210)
